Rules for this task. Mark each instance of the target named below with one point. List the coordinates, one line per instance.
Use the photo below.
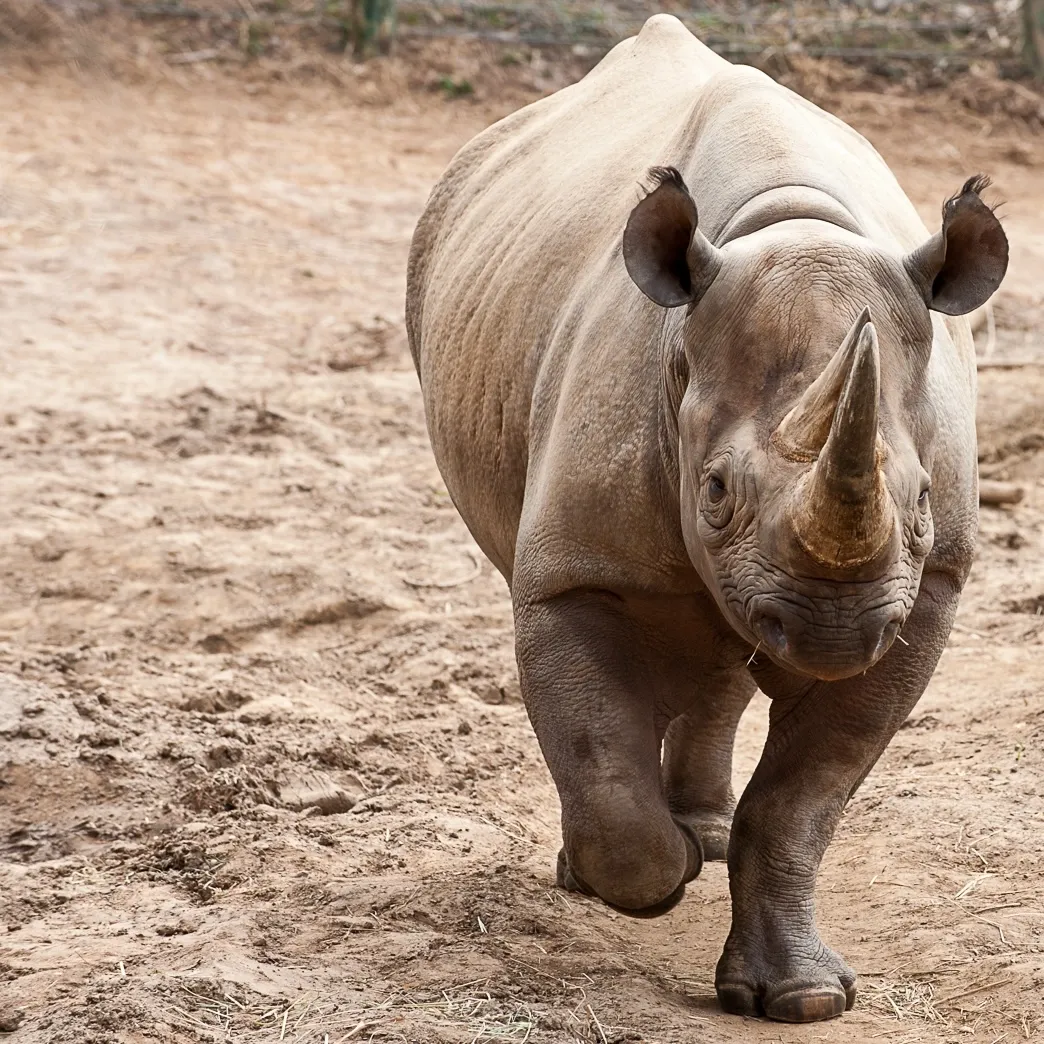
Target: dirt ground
(264, 770)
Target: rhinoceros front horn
(841, 512)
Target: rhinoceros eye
(922, 519)
(718, 501)
(716, 490)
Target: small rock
(10, 1020)
(219, 702)
(179, 927)
(221, 755)
(505, 690)
(216, 643)
(489, 692)
(1009, 538)
(356, 924)
(319, 791)
(50, 549)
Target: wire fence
(940, 32)
(949, 35)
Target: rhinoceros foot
(569, 881)
(787, 986)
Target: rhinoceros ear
(667, 256)
(964, 262)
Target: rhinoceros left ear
(959, 268)
(670, 260)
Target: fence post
(375, 25)
(1033, 36)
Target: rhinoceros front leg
(598, 683)
(697, 759)
(821, 744)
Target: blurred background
(265, 771)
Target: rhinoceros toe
(712, 828)
(811, 1004)
(804, 1004)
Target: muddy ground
(264, 771)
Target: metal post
(1033, 37)
(376, 28)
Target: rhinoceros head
(807, 413)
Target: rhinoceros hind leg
(697, 759)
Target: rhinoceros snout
(825, 649)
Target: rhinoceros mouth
(802, 640)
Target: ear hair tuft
(657, 176)
(977, 184)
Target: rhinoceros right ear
(670, 260)
(964, 262)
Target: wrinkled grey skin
(647, 422)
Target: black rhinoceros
(716, 432)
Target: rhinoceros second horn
(803, 431)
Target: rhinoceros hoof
(569, 881)
(713, 829)
(806, 991)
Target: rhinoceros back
(524, 326)
(514, 246)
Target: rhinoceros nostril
(885, 639)
(773, 636)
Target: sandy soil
(264, 771)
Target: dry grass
(208, 1008)
(903, 999)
